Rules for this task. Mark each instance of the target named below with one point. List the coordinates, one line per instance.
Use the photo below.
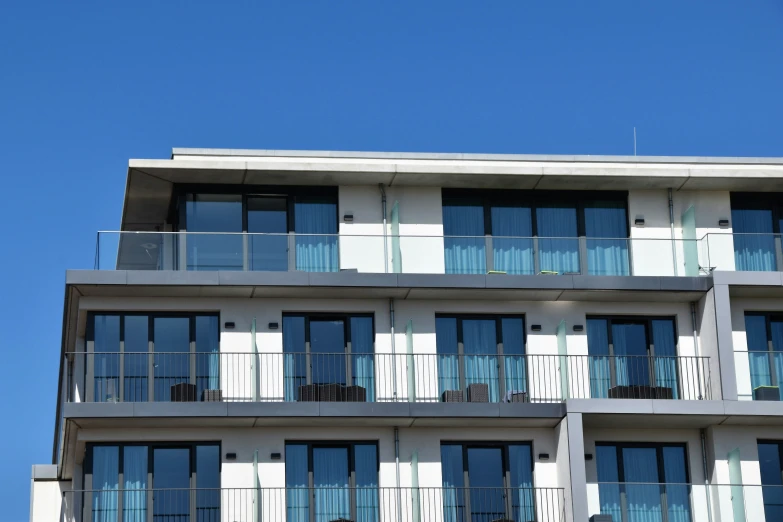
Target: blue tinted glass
(331, 479)
(171, 480)
(557, 251)
(630, 349)
(295, 360)
(512, 243)
(327, 349)
(214, 213)
(447, 349)
(267, 222)
(769, 462)
(172, 354)
(136, 358)
(609, 255)
(600, 367)
(464, 243)
(106, 360)
(754, 241)
(134, 499)
(367, 501)
(315, 223)
(453, 483)
(105, 482)
(485, 473)
(297, 483)
(481, 361)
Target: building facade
(281, 336)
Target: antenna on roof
(634, 141)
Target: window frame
(768, 319)
(90, 352)
(498, 318)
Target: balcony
(192, 251)
(382, 378)
(316, 504)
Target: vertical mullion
(121, 363)
(311, 482)
(308, 355)
(348, 351)
(621, 477)
(461, 359)
(466, 482)
(149, 494)
(501, 359)
(120, 481)
(651, 355)
(192, 348)
(662, 482)
(352, 482)
(151, 359)
(612, 361)
(508, 485)
(193, 483)
(773, 374)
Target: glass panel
(106, 361)
(690, 246)
(520, 461)
(295, 361)
(487, 494)
(643, 499)
(453, 483)
(608, 478)
(171, 482)
(366, 457)
(134, 499)
(558, 245)
(315, 224)
(598, 348)
(479, 338)
(362, 362)
(512, 243)
(464, 255)
(632, 363)
(331, 479)
(665, 365)
(207, 354)
(608, 221)
(448, 358)
(214, 213)
(327, 351)
(136, 364)
(395, 239)
(677, 490)
(758, 351)
(208, 484)
(514, 364)
(297, 483)
(105, 483)
(562, 351)
(267, 215)
(754, 241)
(737, 491)
(776, 330)
(172, 357)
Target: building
(315, 336)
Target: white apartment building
(301, 336)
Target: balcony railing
(316, 504)
(199, 251)
(758, 375)
(379, 377)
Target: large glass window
(287, 229)
(331, 481)
(771, 478)
(519, 232)
(329, 357)
(135, 357)
(633, 358)
(641, 482)
(484, 355)
(764, 333)
(176, 478)
(755, 221)
(483, 482)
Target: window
(535, 232)
(756, 220)
(765, 352)
(633, 357)
(640, 481)
(287, 229)
(142, 357)
(329, 349)
(331, 481)
(483, 482)
(480, 349)
(771, 478)
(181, 479)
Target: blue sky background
(86, 86)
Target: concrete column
(576, 459)
(728, 376)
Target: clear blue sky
(84, 87)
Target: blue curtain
(665, 355)
(558, 245)
(758, 351)
(606, 228)
(642, 489)
(479, 338)
(598, 348)
(512, 240)
(608, 478)
(294, 359)
(105, 483)
(447, 350)
(297, 498)
(754, 241)
(362, 353)
(521, 468)
(316, 248)
(677, 489)
(367, 502)
(631, 354)
(134, 501)
(514, 364)
(464, 255)
(453, 483)
(106, 360)
(332, 498)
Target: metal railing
(242, 251)
(758, 374)
(316, 504)
(379, 377)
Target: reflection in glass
(467, 254)
(327, 350)
(512, 240)
(606, 228)
(136, 358)
(106, 365)
(630, 350)
(172, 354)
(330, 479)
(754, 241)
(171, 483)
(485, 473)
(558, 246)
(267, 215)
(208, 213)
(105, 483)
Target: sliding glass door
(267, 224)
(764, 334)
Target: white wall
(46, 499)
